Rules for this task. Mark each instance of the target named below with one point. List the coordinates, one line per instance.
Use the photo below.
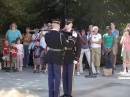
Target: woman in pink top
(125, 42)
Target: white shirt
(54, 29)
(42, 42)
(20, 49)
(35, 36)
(68, 30)
(96, 38)
(73, 33)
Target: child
(14, 51)
(20, 54)
(6, 55)
(37, 55)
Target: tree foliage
(35, 13)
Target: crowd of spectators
(17, 48)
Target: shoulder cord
(61, 39)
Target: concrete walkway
(114, 86)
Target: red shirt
(5, 49)
(14, 54)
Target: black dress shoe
(65, 95)
(69, 96)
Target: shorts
(126, 54)
(6, 57)
(13, 59)
(115, 49)
(37, 61)
(42, 61)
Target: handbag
(107, 72)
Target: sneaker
(78, 73)
(21, 69)
(45, 71)
(34, 71)
(98, 72)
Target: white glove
(74, 34)
(29, 51)
(75, 62)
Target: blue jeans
(26, 55)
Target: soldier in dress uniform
(70, 59)
(55, 41)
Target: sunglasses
(67, 23)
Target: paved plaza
(114, 86)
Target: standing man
(55, 41)
(115, 49)
(71, 58)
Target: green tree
(35, 13)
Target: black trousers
(109, 60)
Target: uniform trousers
(54, 79)
(68, 75)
